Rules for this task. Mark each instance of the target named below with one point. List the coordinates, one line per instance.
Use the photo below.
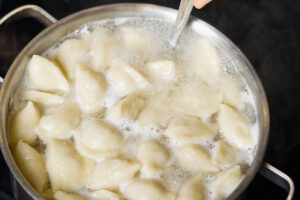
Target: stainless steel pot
(57, 29)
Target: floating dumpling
(98, 139)
(106, 195)
(129, 107)
(43, 98)
(193, 189)
(125, 79)
(31, 164)
(147, 189)
(189, 129)
(163, 70)
(226, 182)
(137, 40)
(112, 172)
(71, 53)
(66, 168)
(59, 195)
(224, 153)
(197, 100)
(23, 124)
(89, 88)
(153, 156)
(231, 90)
(101, 47)
(157, 112)
(195, 158)
(203, 60)
(45, 75)
(234, 127)
(59, 122)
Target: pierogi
(113, 112)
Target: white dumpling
(224, 153)
(23, 124)
(32, 166)
(43, 98)
(162, 70)
(112, 172)
(226, 181)
(105, 195)
(59, 195)
(59, 122)
(125, 79)
(98, 139)
(137, 40)
(188, 128)
(147, 189)
(45, 75)
(129, 107)
(66, 168)
(203, 60)
(158, 111)
(234, 127)
(195, 158)
(89, 88)
(71, 53)
(153, 156)
(192, 189)
(101, 49)
(231, 90)
(197, 100)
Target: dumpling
(153, 156)
(32, 166)
(98, 139)
(43, 98)
(234, 127)
(66, 168)
(129, 107)
(112, 172)
(71, 53)
(226, 182)
(197, 100)
(195, 158)
(101, 49)
(203, 60)
(59, 122)
(224, 153)
(46, 75)
(59, 195)
(193, 189)
(189, 129)
(106, 195)
(89, 88)
(157, 111)
(137, 40)
(146, 189)
(231, 90)
(23, 124)
(162, 70)
(125, 79)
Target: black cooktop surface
(266, 31)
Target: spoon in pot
(184, 11)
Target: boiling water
(159, 31)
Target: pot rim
(161, 10)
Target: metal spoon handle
(183, 14)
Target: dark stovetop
(266, 31)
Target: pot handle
(279, 178)
(28, 11)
